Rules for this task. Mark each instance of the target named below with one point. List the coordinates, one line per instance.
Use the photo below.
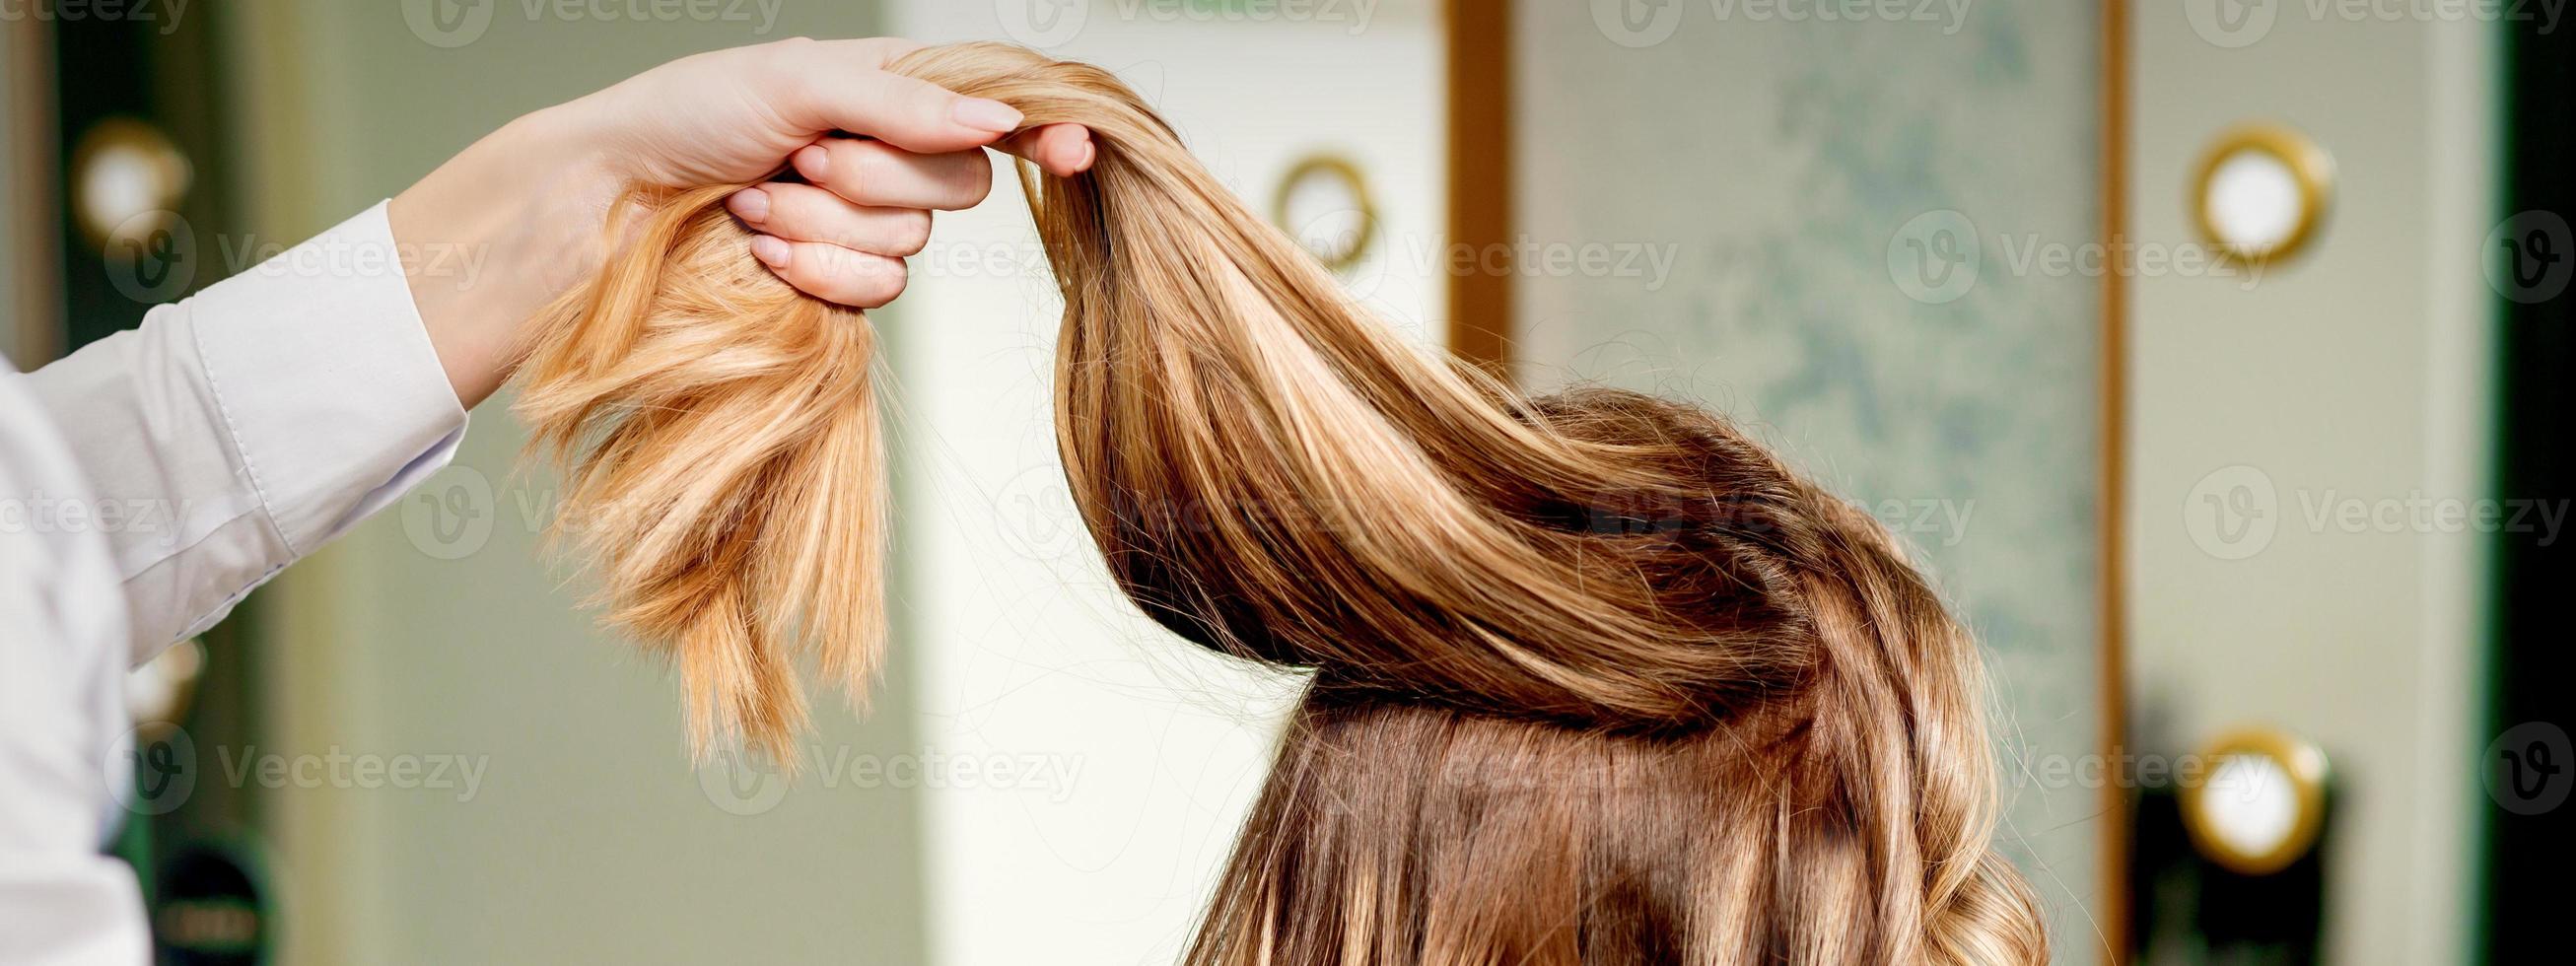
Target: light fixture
(158, 693)
(123, 170)
(2261, 192)
(2260, 802)
(1323, 201)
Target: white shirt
(147, 483)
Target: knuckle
(912, 233)
(864, 280)
(877, 285)
(857, 167)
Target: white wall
(2359, 371)
(1021, 646)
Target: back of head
(1596, 678)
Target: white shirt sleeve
(242, 428)
(147, 483)
(62, 661)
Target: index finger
(1062, 150)
(841, 85)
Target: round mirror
(2260, 803)
(1324, 203)
(2261, 192)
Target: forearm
(498, 231)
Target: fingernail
(985, 115)
(751, 204)
(1090, 153)
(770, 251)
(811, 160)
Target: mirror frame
(2306, 767)
(2309, 165)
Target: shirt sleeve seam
(250, 468)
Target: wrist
(498, 231)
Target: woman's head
(1788, 764)
(1595, 677)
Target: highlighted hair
(1595, 677)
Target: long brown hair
(1595, 677)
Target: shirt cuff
(327, 380)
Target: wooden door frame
(2111, 503)
(1477, 43)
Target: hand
(528, 203)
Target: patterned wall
(1871, 240)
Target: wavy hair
(1595, 677)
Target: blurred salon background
(2208, 351)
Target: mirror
(2261, 192)
(1323, 202)
(2262, 804)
